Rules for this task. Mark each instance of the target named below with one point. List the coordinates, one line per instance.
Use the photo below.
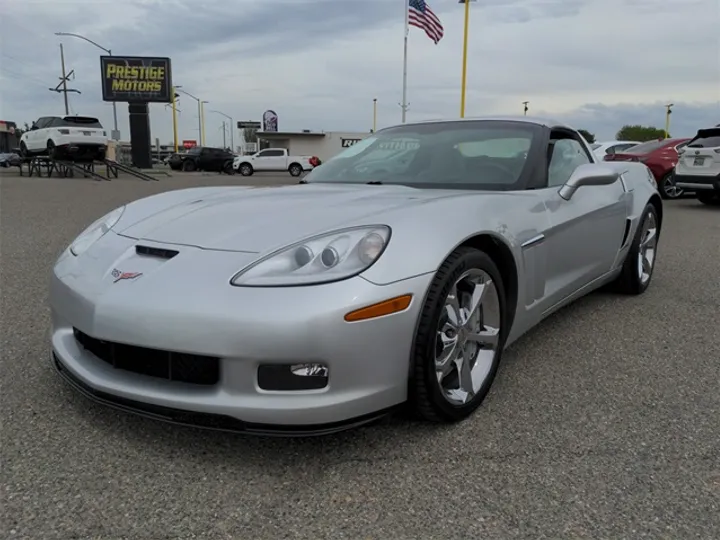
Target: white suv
(76, 138)
(698, 167)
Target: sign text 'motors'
(136, 79)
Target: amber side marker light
(386, 307)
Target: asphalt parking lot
(602, 423)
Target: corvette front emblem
(118, 275)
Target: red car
(660, 156)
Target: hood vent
(161, 253)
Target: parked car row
(204, 158)
(680, 166)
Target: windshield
(645, 148)
(194, 150)
(483, 154)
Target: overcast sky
(319, 63)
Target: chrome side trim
(534, 240)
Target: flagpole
(405, 57)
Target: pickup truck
(272, 159)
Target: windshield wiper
(303, 182)
(374, 183)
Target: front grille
(173, 366)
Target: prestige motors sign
(136, 79)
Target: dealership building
(8, 138)
(323, 144)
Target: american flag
(423, 17)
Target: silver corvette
(393, 274)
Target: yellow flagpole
(464, 62)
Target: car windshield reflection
(490, 155)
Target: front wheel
(460, 338)
(711, 199)
(245, 169)
(24, 150)
(188, 165)
(668, 188)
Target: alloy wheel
(648, 248)
(467, 337)
(670, 188)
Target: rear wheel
(51, 150)
(24, 150)
(668, 189)
(295, 169)
(459, 339)
(640, 262)
(711, 199)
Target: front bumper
(368, 361)
(698, 183)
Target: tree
(640, 133)
(589, 137)
(20, 130)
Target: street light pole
(200, 126)
(668, 112)
(116, 132)
(232, 128)
(202, 122)
(374, 115)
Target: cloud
(319, 63)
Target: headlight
(321, 259)
(96, 231)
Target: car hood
(262, 219)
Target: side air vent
(161, 253)
(626, 233)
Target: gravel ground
(603, 423)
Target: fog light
(292, 377)
(309, 370)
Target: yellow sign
(136, 79)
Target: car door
(586, 232)
(36, 139)
(205, 159)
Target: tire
(24, 150)
(295, 169)
(100, 155)
(637, 271)
(188, 165)
(228, 168)
(51, 150)
(246, 169)
(435, 400)
(711, 199)
(668, 189)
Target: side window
(273, 153)
(565, 155)
(55, 122)
(42, 122)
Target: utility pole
(668, 112)
(63, 82)
(224, 141)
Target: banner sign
(189, 144)
(347, 143)
(136, 79)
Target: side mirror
(34, 127)
(591, 174)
